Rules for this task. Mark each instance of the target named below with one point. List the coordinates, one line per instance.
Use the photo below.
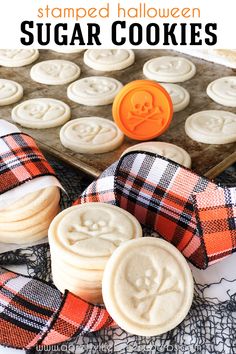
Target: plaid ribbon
(35, 313)
(195, 214)
(20, 161)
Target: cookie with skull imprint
(10, 92)
(109, 59)
(86, 235)
(147, 286)
(91, 135)
(170, 151)
(169, 69)
(55, 72)
(143, 110)
(18, 57)
(223, 91)
(212, 127)
(94, 90)
(81, 239)
(41, 113)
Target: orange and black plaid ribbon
(20, 161)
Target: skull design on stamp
(143, 110)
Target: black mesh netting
(209, 327)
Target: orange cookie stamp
(142, 110)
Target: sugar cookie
(89, 295)
(147, 286)
(109, 59)
(18, 57)
(28, 219)
(170, 151)
(30, 234)
(71, 278)
(212, 127)
(179, 95)
(82, 238)
(41, 113)
(86, 235)
(91, 135)
(223, 91)
(83, 274)
(29, 205)
(10, 92)
(55, 72)
(34, 219)
(94, 90)
(169, 69)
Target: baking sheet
(206, 159)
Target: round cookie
(32, 220)
(86, 235)
(41, 113)
(94, 90)
(30, 234)
(179, 95)
(212, 127)
(147, 286)
(10, 92)
(73, 278)
(83, 274)
(29, 205)
(91, 135)
(93, 296)
(109, 59)
(55, 72)
(169, 69)
(223, 91)
(18, 57)
(170, 151)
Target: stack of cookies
(82, 239)
(28, 219)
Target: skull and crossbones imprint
(220, 124)
(93, 133)
(143, 109)
(96, 224)
(149, 284)
(42, 111)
